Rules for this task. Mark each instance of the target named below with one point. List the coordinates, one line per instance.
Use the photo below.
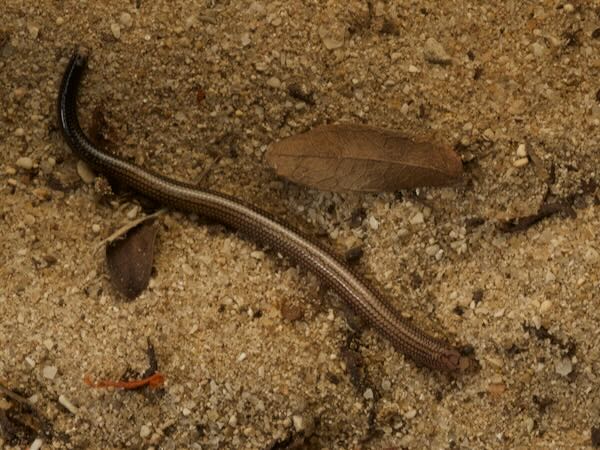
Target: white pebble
(386, 385)
(49, 372)
(67, 404)
(233, 421)
(373, 223)
(245, 39)
(48, 343)
(417, 219)
(257, 254)
(242, 356)
(60, 21)
(368, 394)
(96, 228)
(132, 213)
(545, 306)
(432, 250)
(410, 414)
(25, 163)
(521, 162)
(298, 422)
(435, 53)
(85, 172)
(521, 151)
(19, 132)
(413, 69)
(568, 7)
(115, 30)
(125, 19)
(145, 431)
(564, 367)
(274, 82)
(186, 412)
(36, 444)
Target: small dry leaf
(351, 157)
(130, 259)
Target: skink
(260, 226)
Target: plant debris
(130, 259)
(151, 377)
(352, 157)
(546, 210)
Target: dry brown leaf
(130, 259)
(351, 157)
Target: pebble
(85, 172)
(298, 422)
(568, 7)
(19, 132)
(19, 93)
(538, 49)
(25, 163)
(432, 250)
(33, 31)
(145, 431)
(245, 39)
(96, 228)
(435, 53)
(331, 40)
(48, 343)
(60, 21)
(241, 357)
(257, 254)
(67, 404)
(373, 223)
(386, 385)
(413, 69)
(521, 151)
(125, 19)
(36, 444)
(186, 412)
(274, 82)
(233, 421)
(417, 219)
(564, 367)
(49, 372)
(410, 414)
(132, 213)
(545, 306)
(368, 394)
(521, 162)
(115, 30)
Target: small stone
(245, 39)
(496, 379)
(410, 414)
(242, 356)
(257, 254)
(19, 132)
(96, 228)
(373, 223)
(85, 172)
(33, 31)
(60, 21)
(19, 93)
(435, 53)
(274, 82)
(417, 219)
(48, 343)
(145, 431)
(432, 250)
(331, 39)
(368, 394)
(49, 372)
(545, 306)
(413, 69)
(132, 213)
(521, 151)
(298, 422)
(125, 19)
(180, 116)
(25, 163)
(233, 421)
(568, 7)
(496, 389)
(386, 385)
(564, 367)
(186, 412)
(30, 361)
(538, 49)
(115, 30)
(521, 162)
(67, 404)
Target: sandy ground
(186, 85)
